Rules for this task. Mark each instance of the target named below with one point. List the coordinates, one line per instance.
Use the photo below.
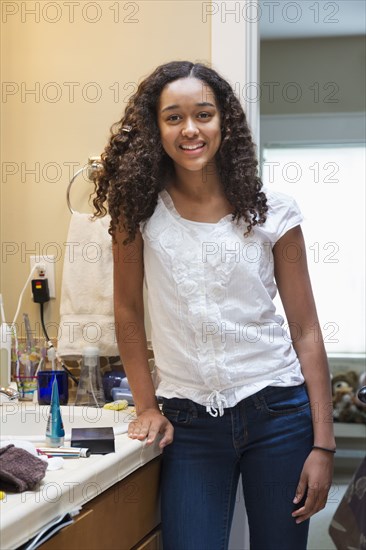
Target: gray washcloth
(19, 470)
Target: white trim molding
(313, 128)
(235, 56)
(235, 52)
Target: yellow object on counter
(2, 495)
(118, 405)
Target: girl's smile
(192, 147)
(189, 123)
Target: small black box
(99, 441)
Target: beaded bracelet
(324, 449)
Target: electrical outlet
(49, 273)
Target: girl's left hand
(315, 480)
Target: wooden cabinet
(124, 517)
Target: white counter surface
(23, 515)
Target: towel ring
(94, 164)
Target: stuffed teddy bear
(346, 405)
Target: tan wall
(328, 72)
(116, 52)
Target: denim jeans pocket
(280, 401)
(175, 415)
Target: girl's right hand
(149, 424)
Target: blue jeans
(266, 437)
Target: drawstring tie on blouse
(216, 403)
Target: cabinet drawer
(77, 535)
(152, 542)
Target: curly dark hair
(135, 166)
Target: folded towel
(86, 311)
(20, 470)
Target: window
(328, 182)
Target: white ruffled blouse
(215, 333)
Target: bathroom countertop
(23, 515)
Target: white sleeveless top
(215, 333)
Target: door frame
(235, 53)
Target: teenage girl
(240, 394)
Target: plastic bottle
(90, 392)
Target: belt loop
(192, 409)
(257, 399)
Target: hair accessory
(324, 449)
(126, 128)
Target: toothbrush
(30, 341)
(30, 365)
(2, 309)
(42, 360)
(64, 452)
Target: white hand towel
(86, 310)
